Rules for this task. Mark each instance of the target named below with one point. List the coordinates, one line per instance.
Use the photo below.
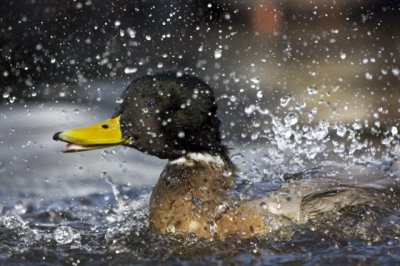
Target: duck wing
(331, 188)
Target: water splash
(291, 144)
(122, 205)
(64, 235)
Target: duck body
(174, 117)
(191, 197)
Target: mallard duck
(173, 116)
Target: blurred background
(342, 53)
(63, 64)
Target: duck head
(166, 115)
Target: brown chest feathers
(191, 197)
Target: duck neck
(194, 185)
(201, 174)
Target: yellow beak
(100, 135)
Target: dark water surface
(95, 229)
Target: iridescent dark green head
(167, 115)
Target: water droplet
(181, 134)
(394, 130)
(6, 95)
(259, 94)
(300, 106)
(356, 126)
(339, 149)
(213, 227)
(119, 100)
(264, 205)
(217, 53)
(255, 135)
(254, 248)
(130, 70)
(291, 118)
(148, 37)
(340, 130)
(171, 228)
(318, 133)
(285, 100)
(322, 130)
(227, 173)
(131, 33)
(160, 65)
(39, 46)
(342, 56)
(63, 235)
(312, 73)
(255, 80)
(312, 90)
(222, 208)
(386, 141)
(13, 221)
(368, 76)
(238, 156)
(314, 110)
(117, 23)
(256, 124)
(20, 207)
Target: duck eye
(105, 126)
(151, 103)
